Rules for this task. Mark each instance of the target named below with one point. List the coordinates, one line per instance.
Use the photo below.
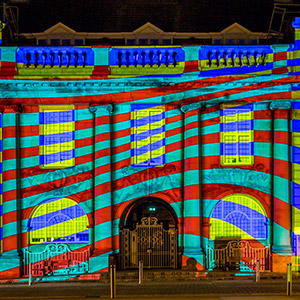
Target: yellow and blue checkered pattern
(57, 143)
(237, 135)
(147, 136)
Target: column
(103, 241)
(193, 255)
(281, 197)
(10, 258)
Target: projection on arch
(238, 216)
(58, 220)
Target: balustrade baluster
(55, 58)
(32, 58)
(147, 57)
(39, 57)
(163, 57)
(131, 58)
(80, 58)
(122, 58)
(139, 58)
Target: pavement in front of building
(212, 290)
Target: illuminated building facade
(173, 155)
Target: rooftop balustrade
(146, 60)
(84, 62)
(55, 61)
(236, 60)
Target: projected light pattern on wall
(238, 216)
(58, 220)
(56, 136)
(237, 135)
(147, 136)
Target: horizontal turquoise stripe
(29, 119)
(9, 143)
(173, 125)
(191, 241)
(190, 119)
(8, 119)
(66, 191)
(102, 128)
(281, 188)
(192, 208)
(9, 185)
(211, 149)
(262, 149)
(121, 125)
(191, 177)
(281, 151)
(9, 206)
(280, 125)
(191, 133)
(8, 165)
(121, 141)
(262, 124)
(102, 161)
(102, 231)
(102, 145)
(210, 129)
(9, 229)
(211, 115)
(102, 178)
(102, 201)
(29, 141)
(191, 151)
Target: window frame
(151, 138)
(63, 146)
(234, 137)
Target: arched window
(58, 220)
(238, 216)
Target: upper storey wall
(108, 62)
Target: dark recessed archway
(148, 207)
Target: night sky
(127, 15)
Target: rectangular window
(55, 42)
(66, 42)
(131, 42)
(154, 42)
(241, 42)
(147, 136)
(78, 42)
(229, 41)
(217, 42)
(167, 42)
(253, 42)
(57, 131)
(237, 135)
(143, 41)
(42, 42)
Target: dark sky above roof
(127, 15)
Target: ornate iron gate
(57, 259)
(150, 243)
(237, 254)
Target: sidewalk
(213, 290)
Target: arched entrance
(238, 234)
(148, 233)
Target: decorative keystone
(192, 106)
